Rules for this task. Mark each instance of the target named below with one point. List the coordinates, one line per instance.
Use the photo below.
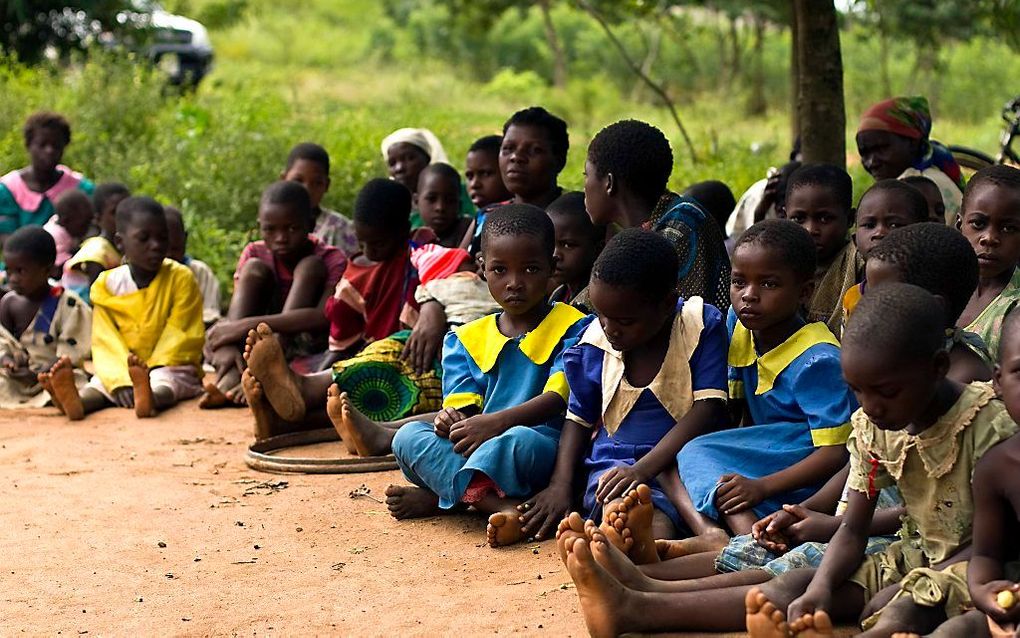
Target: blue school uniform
(631, 420)
(487, 370)
(798, 402)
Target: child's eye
(769, 284)
(737, 283)
(531, 270)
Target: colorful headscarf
(910, 117)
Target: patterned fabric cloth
(22, 206)
(699, 242)
(798, 402)
(988, 324)
(372, 300)
(486, 370)
(464, 296)
(337, 231)
(384, 386)
(62, 327)
(334, 259)
(161, 323)
(831, 286)
(630, 421)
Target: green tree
(29, 27)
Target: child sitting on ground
(494, 443)
(940, 260)
(578, 244)
(889, 204)
(283, 281)
(177, 248)
(39, 323)
(27, 195)
(784, 374)
(920, 431)
(990, 220)
(74, 215)
(308, 165)
(481, 172)
(438, 203)
(147, 327)
(932, 195)
(819, 198)
(993, 567)
(97, 253)
(626, 174)
(647, 377)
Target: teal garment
(13, 216)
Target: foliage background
(344, 73)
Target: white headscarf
(421, 138)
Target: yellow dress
(161, 324)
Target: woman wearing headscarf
(407, 152)
(893, 141)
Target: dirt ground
(115, 526)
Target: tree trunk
(820, 104)
(551, 37)
(883, 51)
(756, 104)
(794, 77)
(735, 57)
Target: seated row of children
(664, 347)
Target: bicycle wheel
(970, 159)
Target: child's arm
(842, 557)
(992, 510)
(737, 493)
(183, 334)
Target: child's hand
(225, 332)
(737, 493)
(774, 541)
(986, 599)
(445, 420)
(469, 434)
(543, 512)
(124, 397)
(617, 481)
(426, 340)
(812, 601)
(807, 525)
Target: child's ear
(941, 363)
(611, 186)
(118, 241)
(959, 220)
(414, 200)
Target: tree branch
(636, 69)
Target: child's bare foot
(368, 437)
(634, 512)
(213, 397)
(267, 363)
(816, 625)
(571, 527)
(47, 384)
(615, 561)
(405, 501)
(715, 540)
(504, 528)
(902, 634)
(603, 598)
(65, 392)
(139, 373)
(266, 421)
(764, 619)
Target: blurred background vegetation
(344, 73)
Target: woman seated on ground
(893, 140)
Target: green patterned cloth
(988, 324)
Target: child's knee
(311, 268)
(255, 270)
(411, 439)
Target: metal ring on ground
(263, 456)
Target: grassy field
(345, 74)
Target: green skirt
(383, 386)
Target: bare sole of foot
(602, 597)
(613, 560)
(47, 384)
(504, 529)
(268, 364)
(266, 421)
(570, 528)
(816, 625)
(65, 392)
(368, 437)
(910, 635)
(335, 411)
(405, 501)
(713, 541)
(634, 513)
(145, 408)
(764, 619)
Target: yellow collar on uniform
(742, 352)
(483, 340)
